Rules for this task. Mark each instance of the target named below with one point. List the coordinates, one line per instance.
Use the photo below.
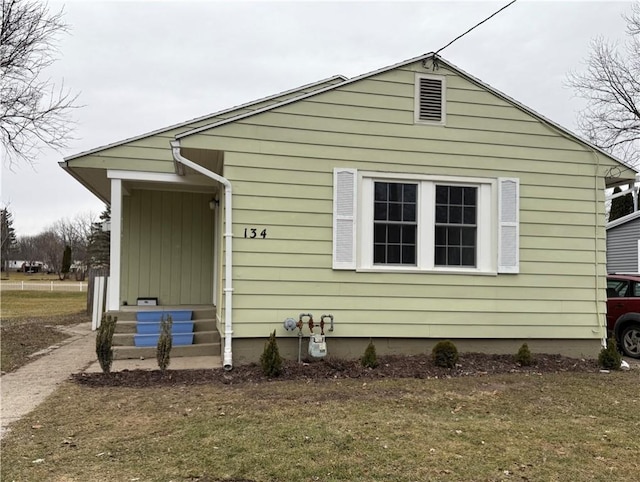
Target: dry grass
(22, 305)
(28, 322)
(15, 276)
(509, 427)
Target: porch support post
(113, 302)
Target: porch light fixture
(213, 203)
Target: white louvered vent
(430, 99)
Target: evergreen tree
(620, 206)
(100, 242)
(66, 261)
(8, 237)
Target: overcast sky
(140, 66)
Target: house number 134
(252, 233)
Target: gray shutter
(344, 218)
(508, 225)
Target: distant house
(26, 266)
(623, 244)
(412, 203)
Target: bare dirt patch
(419, 366)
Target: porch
(205, 341)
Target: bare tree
(75, 233)
(34, 112)
(611, 85)
(50, 247)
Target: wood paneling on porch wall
(167, 247)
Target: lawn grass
(28, 321)
(561, 427)
(23, 305)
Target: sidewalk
(23, 390)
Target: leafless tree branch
(611, 85)
(34, 112)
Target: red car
(623, 312)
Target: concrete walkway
(23, 390)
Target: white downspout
(227, 361)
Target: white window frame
(487, 222)
(416, 100)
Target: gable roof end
(423, 58)
(341, 78)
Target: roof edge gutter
(227, 362)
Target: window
(429, 99)
(394, 223)
(425, 223)
(455, 226)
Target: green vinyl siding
(167, 247)
(281, 165)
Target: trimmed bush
(165, 343)
(369, 359)
(524, 356)
(445, 354)
(609, 357)
(270, 359)
(104, 340)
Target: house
(413, 203)
(623, 244)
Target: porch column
(113, 301)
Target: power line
(476, 25)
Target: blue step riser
(153, 328)
(152, 340)
(176, 315)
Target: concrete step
(128, 313)
(203, 324)
(199, 337)
(132, 352)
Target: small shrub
(271, 360)
(609, 357)
(165, 343)
(104, 340)
(445, 354)
(524, 356)
(369, 359)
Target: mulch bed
(419, 366)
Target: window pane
(408, 255)
(379, 233)
(468, 236)
(468, 256)
(470, 196)
(409, 235)
(454, 236)
(469, 216)
(393, 233)
(441, 236)
(379, 253)
(455, 195)
(393, 254)
(453, 256)
(395, 212)
(409, 212)
(410, 193)
(441, 214)
(380, 211)
(455, 215)
(442, 195)
(395, 191)
(380, 193)
(441, 257)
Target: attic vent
(429, 102)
